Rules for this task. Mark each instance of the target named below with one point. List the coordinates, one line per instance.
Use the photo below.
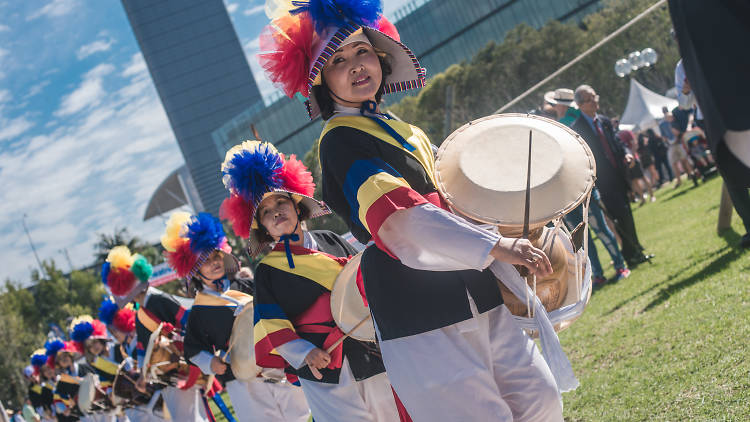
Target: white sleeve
(426, 237)
(203, 361)
(295, 351)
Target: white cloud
(5, 96)
(88, 94)
(136, 66)
(37, 88)
(232, 7)
(253, 10)
(53, 9)
(87, 175)
(94, 47)
(14, 127)
(4, 28)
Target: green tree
(501, 71)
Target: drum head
(152, 340)
(347, 306)
(242, 355)
(87, 392)
(481, 169)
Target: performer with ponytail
(452, 350)
(270, 198)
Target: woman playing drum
(452, 350)
(293, 324)
(204, 258)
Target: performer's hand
(218, 366)
(317, 359)
(522, 252)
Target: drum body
(242, 342)
(124, 393)
(482, 169)
(347, 307)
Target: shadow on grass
(717, 265)
(657, 285)
(677, 195)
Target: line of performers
(447, 348)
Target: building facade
(201, 75)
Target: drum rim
(357, 257)
(440, 185)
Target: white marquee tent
(643, 110)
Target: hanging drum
(481, 172)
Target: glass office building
(202, 77)
(439, 32)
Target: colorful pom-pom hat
(254, 170)
(38, 359)
(125, 274)
(189, 240)
(56, 346)
(120, 319)
(84, 328)
(303, 35)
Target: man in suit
(612, 161)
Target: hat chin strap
(293, 236)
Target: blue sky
(84, 140)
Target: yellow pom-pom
(120, 257)
(176, 227)
(79, 319)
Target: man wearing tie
(612, 160)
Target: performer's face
(278, 215)
(213, 268)
(353, 73)
(95, 347)
(63, 361)
(47, 372)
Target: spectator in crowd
(567, 112)
(562, 100)
(612, 160)
(634, 174)
(646, 156)
(677, 152)
(659, 147)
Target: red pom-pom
(182, 260)
(385, 26)
(76, 347)
(120, 281)
(238, 212)
(296, 177)
(124, 320)
(286, 46)
(100, 330)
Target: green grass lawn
(669, 343)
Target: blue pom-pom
(340, 12)
(53, 346)
(105, 272)
(82, 331)
(38, 360)
(252, 174)
(107, 311)
(205, 233)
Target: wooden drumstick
(347, 334)
(344, 337)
